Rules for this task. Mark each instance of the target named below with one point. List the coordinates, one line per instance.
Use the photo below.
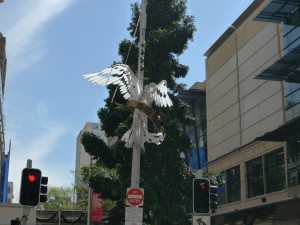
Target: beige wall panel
(228, 68)
(253, 66)
(272, 122)
(250, 28)
(250, 118)
(229, 99)
(265, 35)
(211, 154)
(248, 68)
(225, 86)
(230, 144)
(269, 51)
(215, 152)
(249, 85)
(224, 147)
(269, 89)
(216, 137)
(224, 53)
(231, 129)
(263, 92)
(271, 105)
(250, 133)
(226, 117)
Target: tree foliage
(58, 197)
(165, 176)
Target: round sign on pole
(135, 196)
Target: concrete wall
(13, 211)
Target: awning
(286, 68)
(282, 133)
(277, 11)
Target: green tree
(81, 197)
(165, 176)
(58, 197)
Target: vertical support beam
(136, 151)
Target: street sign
(133, 214)
(96, 208)
(133, 223)
(201, 220)
(135, 196)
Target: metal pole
(59, 215)
(136, 153)
(89, 197)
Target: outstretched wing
(118, 74)
(160, 96)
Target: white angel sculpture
(139, 98)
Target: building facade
(82, 157)
(4, 158)
(253, 96)
(196, 98)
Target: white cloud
(23, 31)
(39, 149)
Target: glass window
(293, 161)
(233, 184)
(291, 90)
(231, 190)
(292, 99)
(291, 37)
(254, 175)
(274, 167)
(222, 192)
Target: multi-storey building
(196, 98)
(4, 159)
(253, 120)
(82, 157)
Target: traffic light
(30, 187)
(15, 222)
(44, 189)
(200, 195)
(213, 198)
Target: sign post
(134, 213)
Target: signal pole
(136, 153)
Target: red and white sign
(96, 207)
(135, 196)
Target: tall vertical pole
(89, 197)
(136, 153)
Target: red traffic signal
(201, 195)
(32, 177)
(30, 187)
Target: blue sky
(49, 45)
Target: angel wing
(118, 74)
(160, 95)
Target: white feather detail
(121, 75)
